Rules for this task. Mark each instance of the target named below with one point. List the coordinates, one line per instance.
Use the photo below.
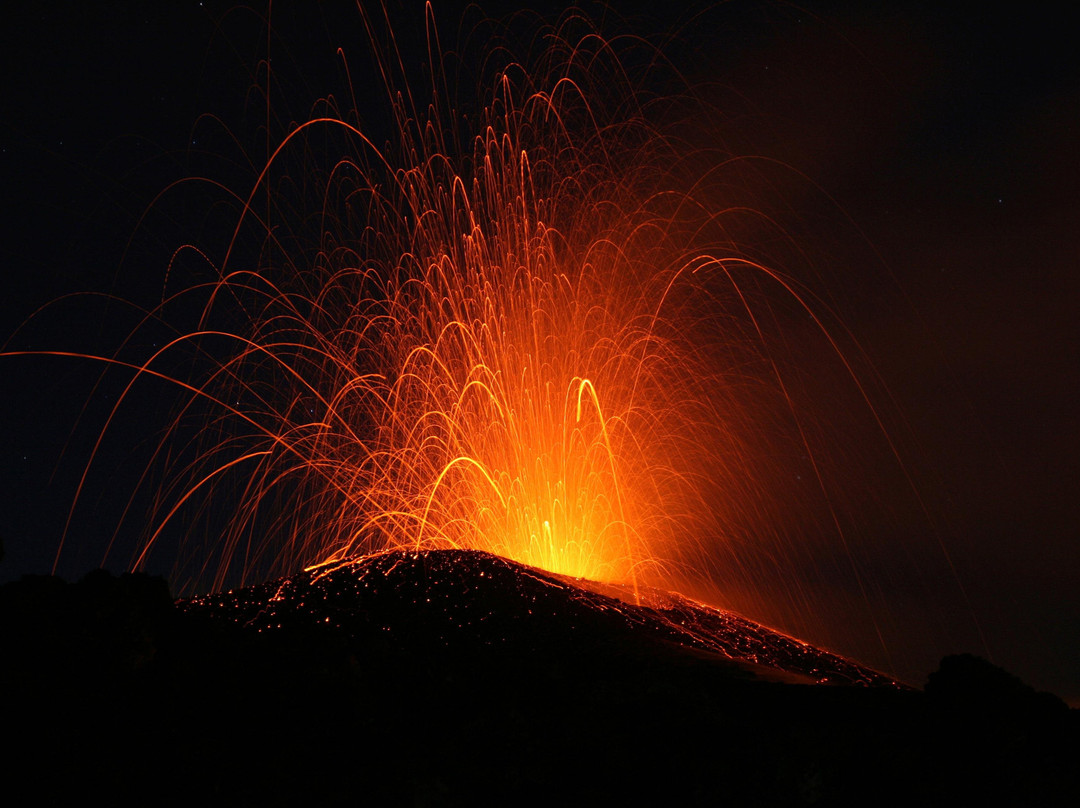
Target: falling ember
(533, 332)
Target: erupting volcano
(540, 326)
(510, 429)
(539, 323)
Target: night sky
(942, 190)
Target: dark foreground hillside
(462, 679)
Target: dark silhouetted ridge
(462, 679)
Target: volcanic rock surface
(465, 601)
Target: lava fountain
(533, 330)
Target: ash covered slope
(463, 601)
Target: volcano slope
(466, 607)
(460, 678)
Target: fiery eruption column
(532, 332)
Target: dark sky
(939, 149)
